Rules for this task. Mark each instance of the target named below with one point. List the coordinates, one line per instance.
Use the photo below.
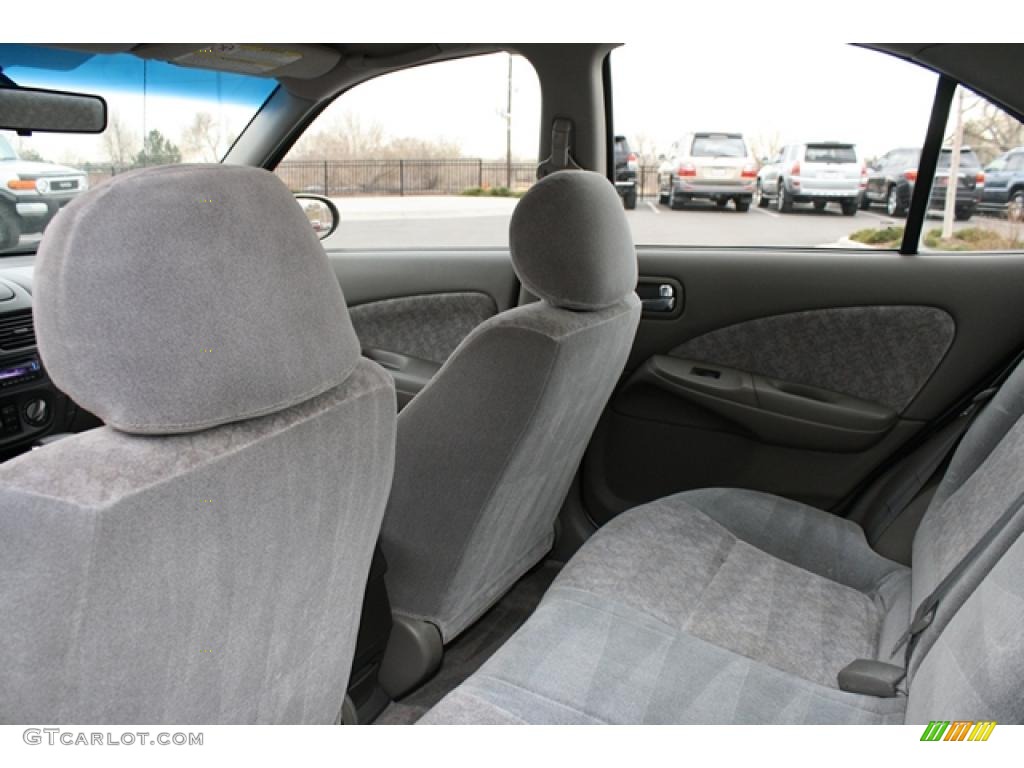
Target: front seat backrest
(202, 557)
(486, 452)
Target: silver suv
(820, 173)
(31, 193)
(708, 166)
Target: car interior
(250, 475)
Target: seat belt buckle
(870, 677)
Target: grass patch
(972, 239)
(492, 192)
(886, 237)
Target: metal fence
(451, 176)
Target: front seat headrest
(571, 244)
(177, 298)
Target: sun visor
(299, 60)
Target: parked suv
(891, 182)
(1004, 185)
(819, 173)
(625, 172)
(31, 193)
(708, 166)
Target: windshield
(158, 113)
(718, 146)
(830, 153)
(6, 150)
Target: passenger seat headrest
(177, 298)
(571, 244)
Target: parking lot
(440, 221)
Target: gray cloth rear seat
(731, 606)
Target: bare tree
(349, 138)
(989, 130)
(203, 140)
(766, 145)
(644, 147)
(120, 142)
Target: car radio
(12, 374)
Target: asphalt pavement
(432, 222)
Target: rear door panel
(796, 372)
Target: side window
(976, 201)
(791, 154)
(430, 157)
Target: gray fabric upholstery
(487, 450)
(883, 354)
(429, 326)
(215, 577)
(728, 606)
(571, 244)
(151, 576)
(205, 274)
(486, 453)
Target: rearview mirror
(28, 110)
(322, 214)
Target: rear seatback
(621, 637)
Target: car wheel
(742, 205)
(1015, 208)
(963, 214)
(629, 199)
(662, 196)
(675, 203)
(10, 228)
(819, 205)
(893, 203)
(783, 200)
(849, 207)
(759, 198)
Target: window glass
(158, 113)
(984, 209)
(429, 157)
(788, 153)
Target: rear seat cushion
(707, 606)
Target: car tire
(849, 207)
(742, 206)
(1015, 208)
(963, 214)
(721, 202)
(894, 205)
(759, 198)
(819, 205)
(865, 203)
(783, 200)
(10, 227)
(629, 199)
(675, 203)
(662, 197)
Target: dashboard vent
(17, 331)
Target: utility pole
(954, 168)
(508, 128)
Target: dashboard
(31, 407)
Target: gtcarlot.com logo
(54, 736)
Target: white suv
(820, 172)
(708, 166)
(31, 193)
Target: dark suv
(1004, 185)
(891, 182)
(625, 172)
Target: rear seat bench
(731, 606)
